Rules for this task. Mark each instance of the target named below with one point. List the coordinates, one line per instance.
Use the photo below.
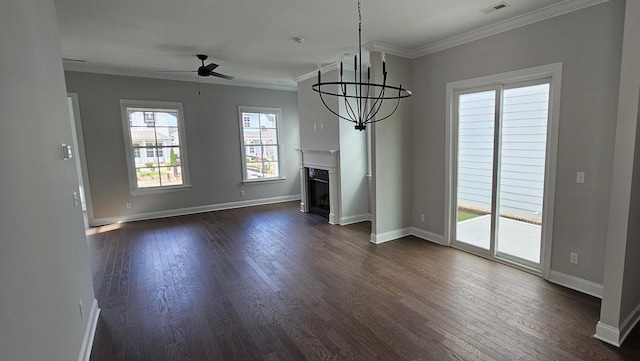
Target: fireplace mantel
(321, 159)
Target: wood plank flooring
(272, 283)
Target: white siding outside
(476, 117)
(522, 153)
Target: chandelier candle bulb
(384, 63)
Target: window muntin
(156, 155)
(260, 129)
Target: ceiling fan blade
(211, 66)
(213, 73)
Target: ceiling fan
(204, 70)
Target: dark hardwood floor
(272, 283)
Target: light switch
(580, 177)
(66, 152)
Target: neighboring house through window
(260, 141)
(156, 152)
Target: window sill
(145, 191)
(263, 180)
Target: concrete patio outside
(516, 238)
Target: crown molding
(545, 13)
(166, 76)
(313, 74)
(388, 49)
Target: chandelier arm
(350, 111)
(375, 107)
(368, 103)
(332, 111)
(390, 114)
(348, 107)
(374, 110)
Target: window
(150, 152)
(159, 150)
(260, 141)
(156, 152)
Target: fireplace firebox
(318, 195)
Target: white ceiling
(252, 39)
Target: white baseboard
(192, 210)
(378, 238)
(409, 231)
(608, 334)
(428, 236)
(90, 332)
(616, 336)
(576, 283)
(355, 219)
(629, 323)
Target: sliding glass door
(500, 152)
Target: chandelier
(362, 98)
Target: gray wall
(353, 168)
(213, 141)
(621, 294)
(392, 160)
(313, 112)
(44, 261)
(631, 280)
(588, 42)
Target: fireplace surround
(327, 162)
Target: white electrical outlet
(422, 217)
(242, 193)
(580, 177)
(129, 205)
(573, 258)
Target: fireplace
(320, 183)
(318, 194)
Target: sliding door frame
(552, 71)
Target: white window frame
(279, 124)
(148, 105)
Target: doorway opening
(79, 157)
